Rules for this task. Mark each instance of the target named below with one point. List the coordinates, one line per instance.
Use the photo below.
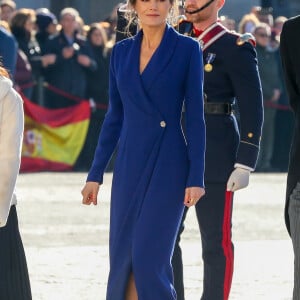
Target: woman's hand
(90, 193)
(193, 195)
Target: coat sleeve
(11, 135)
(111, 128)
(195, 124)
(244, 76)
(288, 69)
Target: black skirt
(14, 279)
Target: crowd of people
(61, 60)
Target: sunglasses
(263, 35)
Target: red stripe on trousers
(226, 243)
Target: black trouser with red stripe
(214, 212)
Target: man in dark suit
(290, 49)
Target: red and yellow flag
(53, 138)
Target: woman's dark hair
(21, 16)
(97, 26)
(18, 21)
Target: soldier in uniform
(230, 79)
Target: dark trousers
(294, 215)
(214, 213)
(14, 279)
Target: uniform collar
(196, 31)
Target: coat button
(163, 124)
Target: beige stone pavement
(67, 243)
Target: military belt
(216, 108)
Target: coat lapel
(160, 58)
(140, 95)
(131, 75)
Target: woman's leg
(131, 292)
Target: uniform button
(250, 135)
(163, 124)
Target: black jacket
(290, 49)
(97, 83)
(67, 74)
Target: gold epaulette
(246, 38)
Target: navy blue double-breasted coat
(155, 162)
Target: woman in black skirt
(14, 279)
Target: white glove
(238, 179)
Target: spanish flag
(53, 138)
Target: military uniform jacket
(154, 164)
(233, 78)
(290, 49)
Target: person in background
(249, 21)
(265, 16)
(46, 24)
(68, 71)
(14, 278)
(8, 8)
(112, 21)
(111, 39)
(271, 86)
(81, 27)
(227, 22)
(21, 26)
(30, 60)
(278, 24)
(97, 90)
(290, 49)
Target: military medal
(209, 59)
(208, 67)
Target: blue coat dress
(155, 162)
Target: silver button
(163, 124)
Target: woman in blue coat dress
(158, 170)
